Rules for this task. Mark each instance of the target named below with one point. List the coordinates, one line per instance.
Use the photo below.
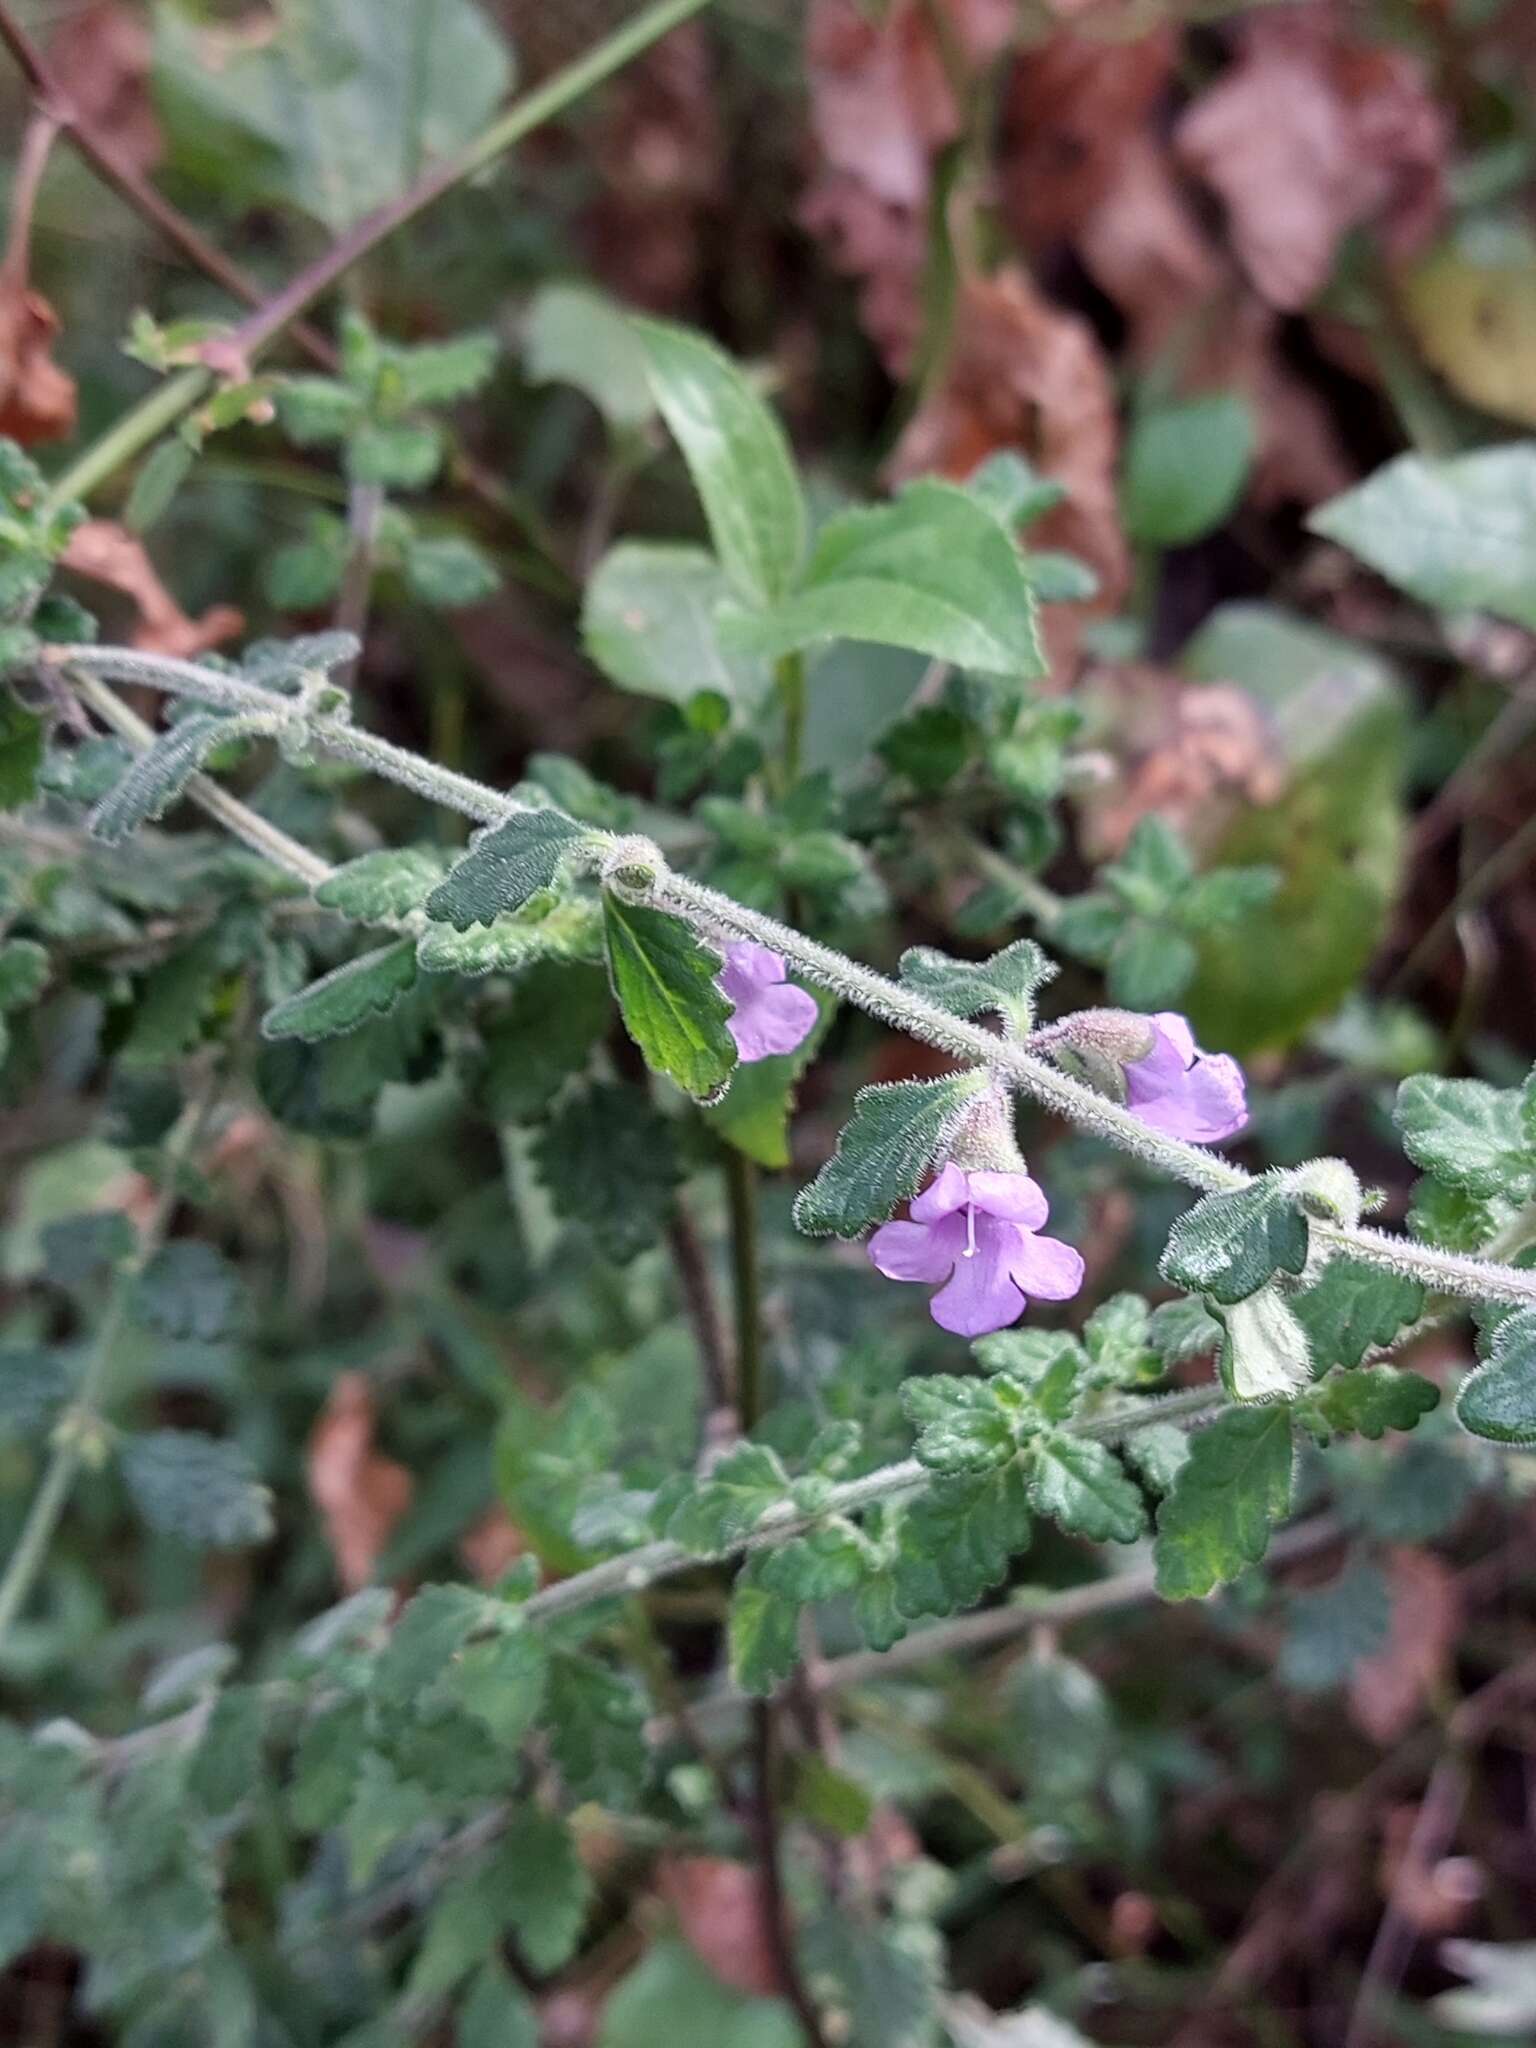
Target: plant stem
(78, 1423)
(777, 1924)
(741, 1194)
(693, 1284)
(789, 680)
(166, 404)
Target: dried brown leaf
(1388, 1691)
(103, 53)
(720, 1913)
(104, 552)
(360, 1493)
(37, 398)
(489, 1545)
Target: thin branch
(777, 1923)
(693, 1283)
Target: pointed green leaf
(1352, 1309)
(1264, 1354)
(1186, 462)
(574, 335)
(544, 1886)
(664, 980)
(377, 888)
(1498, 1400)
(1081, 1484)
(966, 1425)
(505, 865)
(1228, 1246)
(730, 1500)
(933, 572)
(896, 1132)
(571, 930)
(650, 622)
(1468, 1134)
(956, 1540)
(159, 776)
(369, 986)
(1216, 1518)
(1367, 1402)
(737, 456)
(1007, 983)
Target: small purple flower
(1179, 1089)
(976, 1232)
(772, 1015)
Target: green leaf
(403, 457)
(966, 1425)
(1059, 1728)
(22, 742)
(502, 1683)
(896, 1132)
(155, 487)
(1335, 1627)
(505, 865)
(1186, 463)
(23, 973)
(671, 1996)
(762, 1630)
(664, 980)
(385, 1808)
(1458, 534)
(1081, 1484)
(1467, 1134)
(448, 570)
(159, 776)
(573, 335)
(558, 1015)
(433, 1626)
(737, 455)
(1184, 1329)
(1264, 1354)
(317, 412)
(1149, 966)
(1118, 1340)
(196, 1488)
(955, 1542)
(1007, 983)
(1367, 1402)
(188, 1289)
(544, 1887)
(335, 110)
(1216, 1518)
(1012, 489)
(730, 1501)
(377, 888)
(1352, 1309)
(496, 2013)
(609, 1161)
(1498, 1399)
(227, 1766)
(440, 372)
(650, 622)
(569, 931)
(755, 1111)
(933, 572)
(1228, 1246)
(34, 1386)
(596, 1722)
(369, 986)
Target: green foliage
(377, 888)
(574, 335)
(609, 1161)
(369, 986)
(651, 622)
(671, 1995)
(597, 1730)
(1333, 1628)
(557, 1016)
(1498, 1399)
(719, 1510)
(1228, 1246)
(933, 572)
(736, 454)
(955, 1542)
(505, 865)
(1457, 533)
(664, 980)
(1470, 1135)
(197, 1489)
(1264, 1354)
(1186, 464)
(159, 776)
(1352, 1309)
(1006, 984)
(896, 1132)
(1215, 1519)
(1368, 1402)
(967, 1425)
(563, 929)
(1081, 1484)
(188, 1289)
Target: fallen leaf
(1308, 134)
(104, 552)
(719, 1908)
(37, 398)
(360, 1493)
(1470, 304)
(882, 107)
(1387, 1692)
(103, 54)
(492, 1543)
(1024, 375)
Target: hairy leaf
(505, 865)
(376, 888)
(1367, 1402)
(1498, 1399)
(1081, 1484)
(1215, 1520)
(1006, 983)
(157, 778)
(1264, 1354)
(369, 986)
(1228, 1246)
(893, 1137)
(1468, 1134)
(664, 980)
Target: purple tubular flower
(976, 1232)
(1179, 1089)
(772, 1015)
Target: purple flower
(976, 1232)
(1179, 1089)
(772, 1015)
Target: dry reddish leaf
(1309, 134)
(719, 1908)
(1387, 1691)
(1070, 108)
(1435, 1893)
(492, 1543)
(360, 1494)
(881, 109)
(37, 398)
(103, 551)
(103, 53)
(1025, 375)
(1189, 752)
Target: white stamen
(970, 1231)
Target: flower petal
(1047, 1268)
(772, 1020)
(1175, 1028)
(1218, 1096)
(917, 1251)
(748, 968)
(1013, 1196)
(981, 1296)
(945, 1193)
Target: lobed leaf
(505, 865)
(893, 1137)
(369, 986)
(1227, 1246)
(1215, 1519)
